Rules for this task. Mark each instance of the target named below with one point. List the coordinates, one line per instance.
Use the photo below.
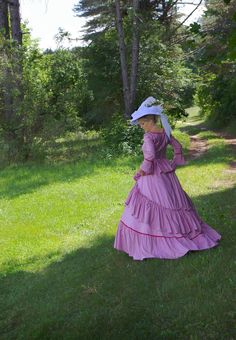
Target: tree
(11, 67)
(14, 14)
(10, 24)
(128, 16)
(215, 56)
(4, 21)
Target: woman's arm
(146, 168)
(178, 158)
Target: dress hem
(141, 247)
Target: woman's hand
(142, 173)
(139, 173)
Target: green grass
(61, 278)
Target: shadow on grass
(23, 179)
(195, 128)
(98, 292)
(72, 150)
(16, 181)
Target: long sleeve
(149, 155)
(178, 158)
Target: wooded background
(134, 49)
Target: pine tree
(134, 14)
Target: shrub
(122, 137)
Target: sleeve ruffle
(178, 158)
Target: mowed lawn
(61, 278)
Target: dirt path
(199, 146)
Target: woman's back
(154, 150)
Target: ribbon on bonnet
(147, 108)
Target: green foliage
(195, 27)
(159, 74)
(51, 98)
(203, 97)
(121, 137)
(99, 14)
(78, 89)
(56, 90)
(216, 64)
(102, 67)
(67, 88)
(165, 77)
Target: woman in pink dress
(159, 219)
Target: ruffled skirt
(160, 221)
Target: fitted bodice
(160, 142)
(154, 152)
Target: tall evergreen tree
(133, 15)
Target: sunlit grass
(61, 278)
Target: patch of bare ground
(198, 146)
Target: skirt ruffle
(160, 220)
(139, 245)
(178, 222)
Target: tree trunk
(14, 7)
(135, 55)
(129, 88)
(124, 69)
(11, 91)
(4, 23)
(6, 84)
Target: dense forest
(133, 49)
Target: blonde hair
(154, 118)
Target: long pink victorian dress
(159, 218)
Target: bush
(216, 98)
(121, 137)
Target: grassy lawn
(60, 277)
